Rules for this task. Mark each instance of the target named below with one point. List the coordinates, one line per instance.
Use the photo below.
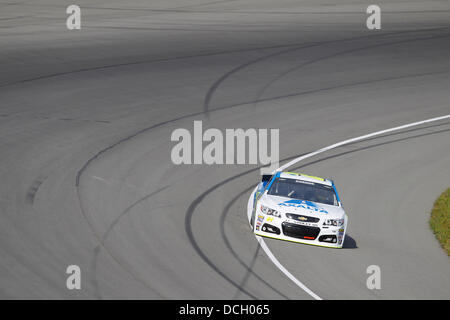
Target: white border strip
(309, 155)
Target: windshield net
(303, 190)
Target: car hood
(303, 207)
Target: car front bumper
(306, 233)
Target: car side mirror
(266, 177)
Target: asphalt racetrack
(86, 117)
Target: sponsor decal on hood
(303, 204)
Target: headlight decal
(333, 222)
(270, 211)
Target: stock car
(299, 208)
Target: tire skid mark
(149, 61)
(183, 29)
(218, 82)
(348, 85)
(248, 274)
(249, 267)
(210, 3)
(213, 88)
(33, 189)
(199, 251)
(111, 227)
(298, 67)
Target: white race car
(299, 208)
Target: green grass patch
(440, 220)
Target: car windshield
(303, 190)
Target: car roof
(305, 177)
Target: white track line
(309, 155)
